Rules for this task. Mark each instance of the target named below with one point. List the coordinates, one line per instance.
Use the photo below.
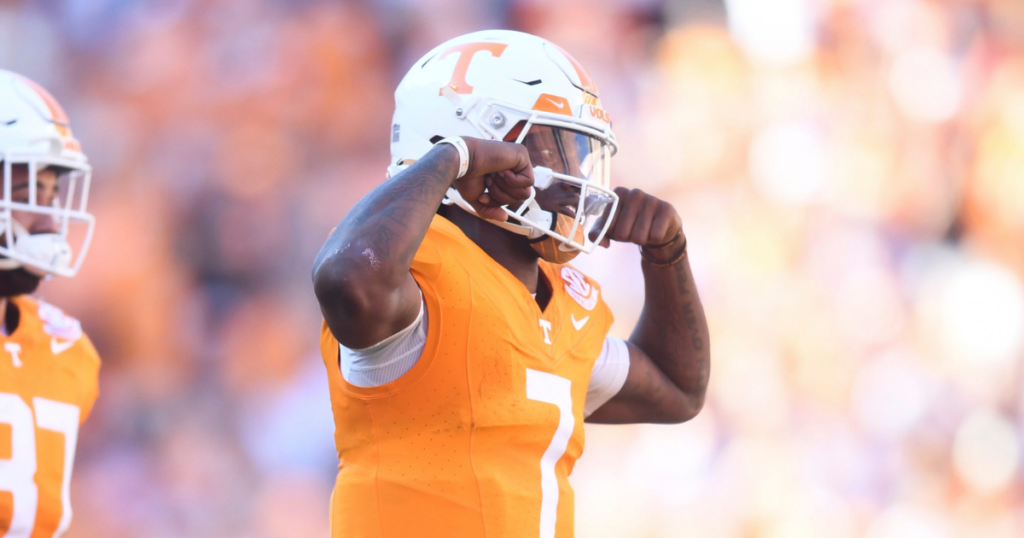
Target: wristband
(655, 263)
(668, 243)
(460, 145)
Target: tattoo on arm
(673, 335)
(361, 275)
(394, 217)
(691, 324)
(681, 281)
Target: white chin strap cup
(542, 177)
(47, 250)
(40, 254)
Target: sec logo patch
(57, 323)
(579, 289)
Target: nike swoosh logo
(58, 347)
(530, 83)
(578, 323)
(556, 103)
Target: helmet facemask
(505, 85)
(49, 252)
(571, 185)
(567, 212)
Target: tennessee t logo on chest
(14, 350)
(546, 325)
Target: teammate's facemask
(45, 197)
(15, 279)
(571, 185)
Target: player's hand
(644, 220)
(503, 169)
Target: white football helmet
(484, 85)
(34, 132)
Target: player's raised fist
(503, 169)
(643, 219)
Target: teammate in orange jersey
(463, 352)
(48, 367)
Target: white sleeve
(609, 374)
(389, 359)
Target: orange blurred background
(849, 176)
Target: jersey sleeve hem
(609, 374)
(422, 365)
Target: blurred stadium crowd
(849, 175)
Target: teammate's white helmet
(34, 132)
(484, 85)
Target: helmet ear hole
(436, 138)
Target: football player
(463, 352)
(48, 367)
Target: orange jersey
(48, 383)
(480, 436)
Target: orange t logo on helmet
(466, 52)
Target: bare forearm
(669, 355)
(382, 232)
(673, 331)
(361, 275)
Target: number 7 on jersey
(552, 389)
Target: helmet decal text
(599, 113)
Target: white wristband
(463, 149)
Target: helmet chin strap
(37, 252)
